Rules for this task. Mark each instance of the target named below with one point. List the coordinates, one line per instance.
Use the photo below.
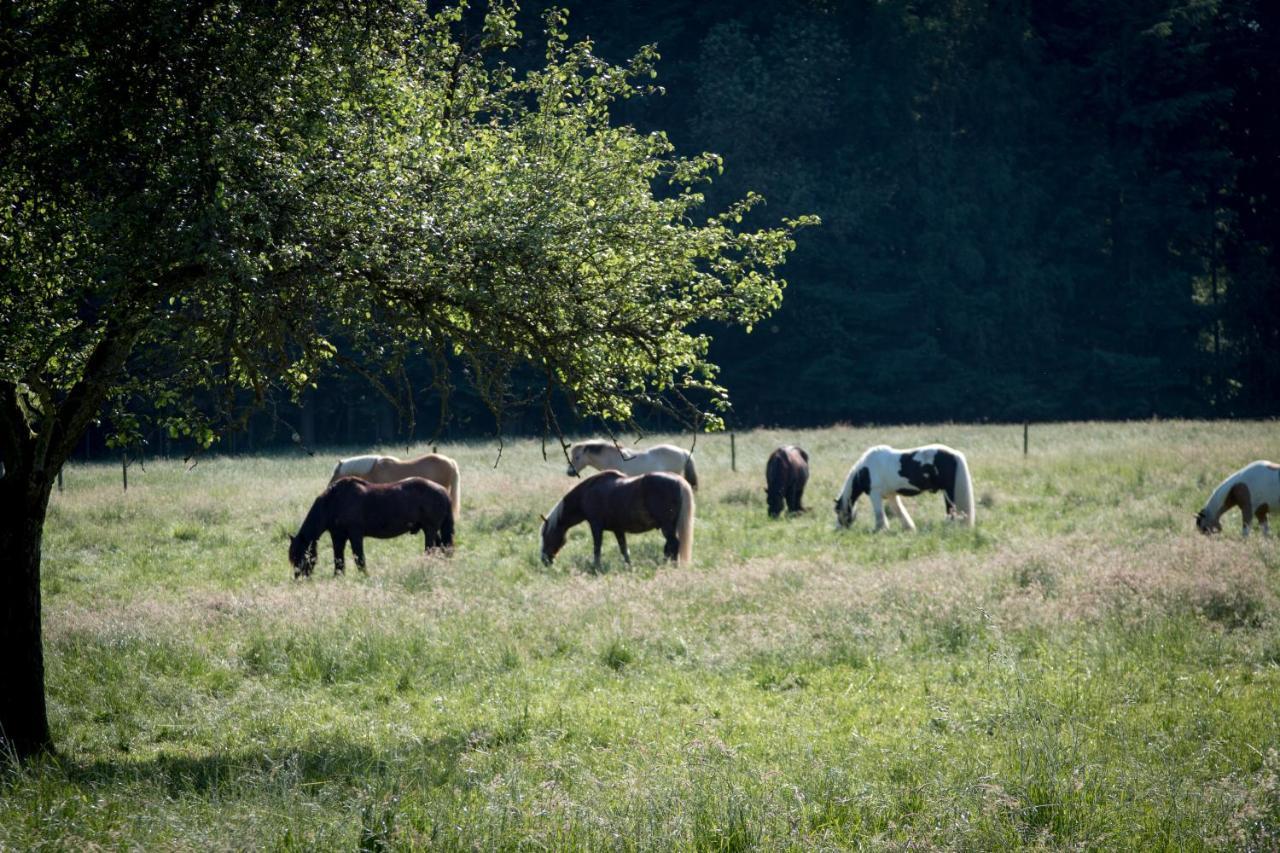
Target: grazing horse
(604, 455)
(1255, 488)
(351, 509)
(613, 501)
(785, 475)
(388, 469)
(884, 474)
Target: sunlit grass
(1080, 669)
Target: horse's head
(773, 500)
(577, 459)
(553, 536)
(302, 556)
(1205, 526)
(846, 512)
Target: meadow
(1081, 670)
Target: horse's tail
(690, 471)
(964, 490)
(455, 488)
(684, 523)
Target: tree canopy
(208, 201)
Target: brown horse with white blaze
(351, 509)
(613, 501)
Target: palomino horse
(605, 456)
(885, 474)
(785, 475)
(388, 469)
(613, 501)
(351, 509)
(1255, 488)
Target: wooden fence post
(124, 470)
(1025, 430)
(733, 451)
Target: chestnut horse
(785, 475)
(351, 509)
(605, 455)
(388, 469)
(613, 501)
(1255, 488)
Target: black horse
(351, 509)
(785, 475)
(613, 501)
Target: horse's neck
(608, 457)
(571, 511)
(853, 486)
(1213, 508)
(316, 521)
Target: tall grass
(1080, 670)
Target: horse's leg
(797, 492)
(1246, 513)
(597, 540)
(895, 502)
(339, 547)
(622, 546)
(877, 506)
(671, 545)
(357, 548)
(1261, 515)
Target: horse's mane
(553, 517)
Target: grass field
(1082, 670)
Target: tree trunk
(24, 722)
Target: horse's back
(1263, 479)
(355, 466)
(631, 503)
(391, 507)
(659, 458)
(432, 466)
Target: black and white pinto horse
(885, 475)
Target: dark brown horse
(785, 475)
(351, 509)
(613, 501)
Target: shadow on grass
(314, 765)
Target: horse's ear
(543, 517)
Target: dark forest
(1031, 211)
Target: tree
(201, 200)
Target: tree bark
(24, 721)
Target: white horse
(885, 474)
(1255, 488)
(388, 469)
(604, 455)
